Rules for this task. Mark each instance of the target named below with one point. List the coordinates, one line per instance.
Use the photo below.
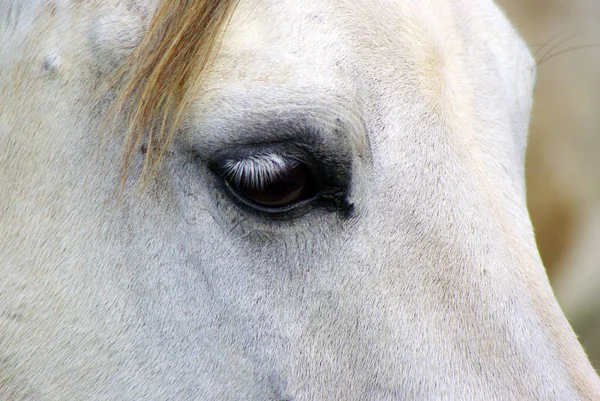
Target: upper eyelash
(257, 171)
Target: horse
(271, 200)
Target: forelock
(154, 82)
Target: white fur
(431, 289)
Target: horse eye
(291, 185)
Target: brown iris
(289, 187)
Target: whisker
(561, 52)
(555, 46)
(549, 43)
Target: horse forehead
(333, 30)
(268, 34)
(335, 43)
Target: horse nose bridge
(420, 321)
(466, 264)
(426, 319)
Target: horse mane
(155, 80)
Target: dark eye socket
(270, 183)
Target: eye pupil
(287, 188)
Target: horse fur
(430, 287)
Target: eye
(270, 182)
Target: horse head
(254, 199)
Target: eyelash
(257, 171)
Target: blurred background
(563, 159)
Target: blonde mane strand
(156, 79)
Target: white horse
(332, 204)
